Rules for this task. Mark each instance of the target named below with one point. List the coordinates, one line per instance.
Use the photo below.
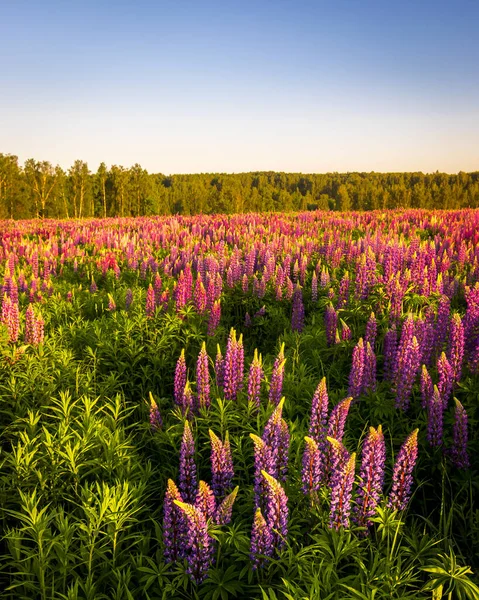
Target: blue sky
(183, 87)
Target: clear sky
(230, 86)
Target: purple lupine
(262, 462)
(128, 298)
(331, 324)
(261, 540)
(314, 287)
(174, 525)
(111, 303)
(203, 379)
(30, 324)
(93, 286)
(150, 306)
(189, 401)
(219, 367)
(205, 500)
(408, 365)
(319, 413)
(346, 333)
(283, 451)
(297, 317)
(369, 374)
(455, 353)
(343, 296)
(156, 422)
(222, 471)
(187, 477)
(255, 377)
(230, 372)
(389, 353)
(180, 380)
(311, 474)
(199, 296)
(357, 370)
(371, 330)
(371, 477)
(277, 376)
(434, 419)
(225, 508)
(446, 379)
(276, 510)
(214, 318)
(273, 437)
(426, 387)
(402, 473)
(442, 323)
(337, 419)
(338, 453)
(341, 487)
(459, 454)
(11, 318)
(199, 543)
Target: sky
(232, 86)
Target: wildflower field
(274, 406)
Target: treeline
(39, 189)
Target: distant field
(246, 406)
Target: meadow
(262, 406)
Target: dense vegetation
(38, 189)
(120, 377)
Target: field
(275, 406)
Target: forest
(39, 189)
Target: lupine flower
(434, 418)
(442, 323)
(188, 406)
(262, 462)
(247, 320)
(261, 540)
(312, 466)
(390, 351)
(255, 377)
(180, 379)
(233, 366)
(174, 525)
(187, 478)
(371, 477)
(446, 379)
(111, 303)
(199, 296)
(341, 486)
(205, 500)
(128, 298)
(203, 379)
(426, 387)
(330, 323)
(314, 287)
(402, 473)
(346, 333)
(409, 357)
(357, 370)
(11, 318)
(297, 318)
(337, 419)
(283, 451)
(225, 508)
(276, 383)
(369, 373)
(214, 319)
(30, 325)
(371, 330)
(150, 301)
(219, 368)
(456, 346)
(199, 543)
(156, 422)
(319, 413)
(276, 510)
(93, 286)
(459, 455)
(272, 436)
(339, 454)
(221, 465)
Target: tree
(41, 179)
(81, 189)
(9, 178)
